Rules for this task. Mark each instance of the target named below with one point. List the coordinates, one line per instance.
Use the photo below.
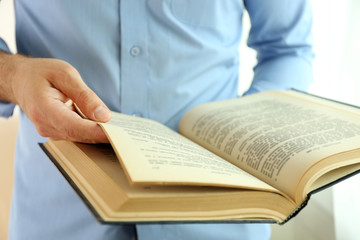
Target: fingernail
(101, 113)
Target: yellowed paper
(272, 136)
(152, 153)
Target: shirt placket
(134, 55)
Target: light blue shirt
(156, 59)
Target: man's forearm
(8, 64)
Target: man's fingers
(84, 130)
(58, 120)
(74, 128)
(69, 82)
(81, 131)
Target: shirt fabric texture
(155, 59)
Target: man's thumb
(102, 114)
(90, 106)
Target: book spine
(293, 214)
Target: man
(155, 59)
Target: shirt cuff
(3, 45)
(6, 109)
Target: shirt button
(135, 51)
(136, 114)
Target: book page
(272, 135)
(151, 153)
(93, 170)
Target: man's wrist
(9, 63)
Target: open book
(257, 158)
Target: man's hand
(43, 88)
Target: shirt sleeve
(6, 108)
(281, 33)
